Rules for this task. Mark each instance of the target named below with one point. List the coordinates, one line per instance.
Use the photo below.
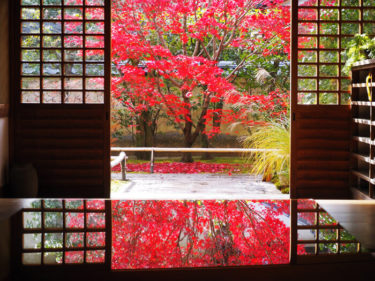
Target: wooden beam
(4, 110)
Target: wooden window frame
(320, 133)
(97, 118)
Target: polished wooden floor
(356, 216)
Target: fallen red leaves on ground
(184, 168)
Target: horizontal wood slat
(68, 154)
(61, 133)
(319, 185)
(322, 124)
(47, 143)
(339, 193)
(61, 123)
(61, 112)
(325, 164)
(323, 174)
(70, 184)
(317, 133)
(71, 173)
(328, 155)
(323, 144)
(68, 164)
(323, 112)
(4, 110)
(65, 189)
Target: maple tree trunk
(144, 136)
(216, 120)
(188, 142)
(187, 156)
(205, 144)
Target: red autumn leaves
(183, 168)
(170, 234)
(167, 55)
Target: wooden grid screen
(62, 51)
(324, 30)
(60, 101)
(64, 232)
(320, 234)
(320, 125)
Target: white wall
(4, 148)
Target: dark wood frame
(363, 117)
(4, 110)
(319, 150)
(17, 109)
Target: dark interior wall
(4, 91)
(4, 145)
(4, 249)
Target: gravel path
(194, 186)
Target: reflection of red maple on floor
(184, 168)
(164, 234)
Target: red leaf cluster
(183, 168)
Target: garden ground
(193, 186)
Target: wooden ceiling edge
(4, 110)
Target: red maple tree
(167, 55)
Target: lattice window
(62, 232)
(324, 29)
(318, 233)
(62, 51)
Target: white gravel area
(193, 186)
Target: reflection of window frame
(86, 210)
(321, 222)
(307, 207)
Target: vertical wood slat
(293, 99)
(371, 146)
(42, 231)
(317, 232)
(108, 234)
(293, 231)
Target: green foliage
(361, 47)
(275, 161)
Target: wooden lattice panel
(64, 232)
(320, 93)
(318, 233)
(324, 29)
(62, 51)
(60, 101)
